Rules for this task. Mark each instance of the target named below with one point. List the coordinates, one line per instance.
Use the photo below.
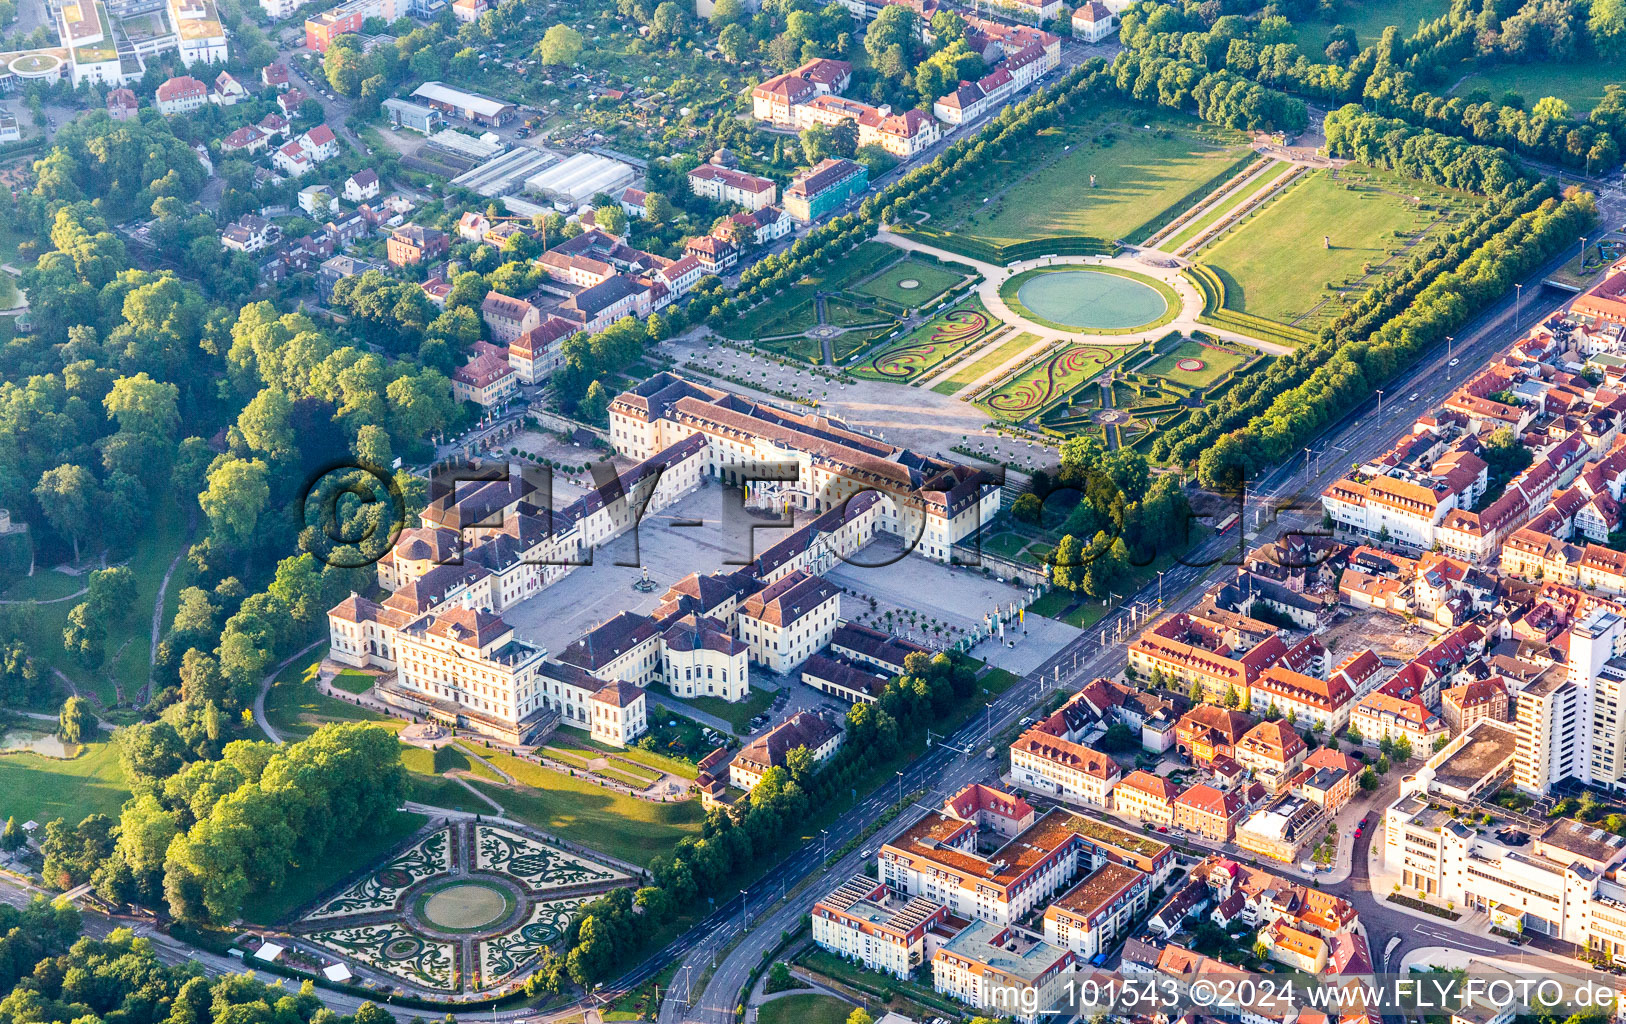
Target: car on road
(1455, 362)
(1413, 397)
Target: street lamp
(1380, 401)
(745, 920)
(989, 727)
(1518, 297)
(900, 786)
(1160, 573)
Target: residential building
(292, 160)
(250, 233)
(361, 186)
(1307, 700)
(1462, 706)
(1093, 915)
(1004, 970)
(274, 76)
(121, 104)
(1145, 796)
(1274, 750)
(776, 99)
(201, 35)
(336, 268)
(864, 921)
(1045, 760)
(1328, 778)
(824, 188)
(938, 857)
(1207, 733)
(716, 255)
(1093, 21)
(1298, 950)
(228, 91)
(1208, 812)
(1381, 716)
(317, 200)
(539, 351)
(414, 243)
(820, 736)
(486, 379)
(247, 139)
(181, 95)
(507, 317)
(726, 185)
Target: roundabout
(1091, 299)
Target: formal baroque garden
(463, 909)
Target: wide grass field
(633, 830)
(1238, 196)
(1274, 263)
(1143, 178)
(804, 1008)
(1368, 20)
(1217, 363)
(991, 359)
(930, 280)
(42, 789)
(1579, 83)
(306, 882)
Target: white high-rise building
(1570, 720)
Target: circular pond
(1092, 300)
(466, 906)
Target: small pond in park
(38, 741)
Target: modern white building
(1003, 970)
(870, 924)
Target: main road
(1282, 501)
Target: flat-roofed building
(937, 857)
(878, 927)
(1095, 913)
(1003, 969)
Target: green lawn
(634, 830)
(737, 714)
(1579, 83)
(296, 709)
(1216, 364)
(791, 311)
(1275, 265)
(8, 291)
(129, 638)
(1005, 545)
(568, 737)
(846, 313)
(930, 281)
(1238, 196)
(804, 1008)
(1368, 19)
(352, 680)
(42, 789)
(306, 882)
(1143, 178)
(991, 359)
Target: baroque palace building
(437, 629)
